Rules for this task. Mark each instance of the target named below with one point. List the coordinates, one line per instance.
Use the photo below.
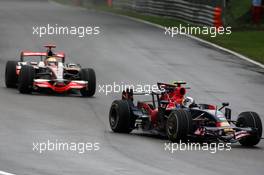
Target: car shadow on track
(139, 135)
(240, 147)
(236, 146)
(149, 135)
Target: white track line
(5, 173)
(195, 38)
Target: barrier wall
(204, 12)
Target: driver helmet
(51, 61)
(188, 101)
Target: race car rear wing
(41, 55)
(175, 84)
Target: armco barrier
(204, 12)
(194, 11)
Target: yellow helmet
(51, 59)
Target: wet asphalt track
(126, 51)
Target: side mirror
(225, 104)
(228, 113)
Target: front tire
(251, 120)
(25, 79)
(10, 74)
(120, 117)
(88, 75)
(179, 125)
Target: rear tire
(252, 120)
(25, 79)
(179, 125)
(10, 74)
(120, 117)
(88, 75)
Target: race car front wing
(59, 86)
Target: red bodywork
(60, 87)
(29, 53)
(174, 97)
(60, 55)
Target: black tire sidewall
(88, 74)
(25, 79)
(10, 74)
(251, 120)
(182, 125)
(124, 121)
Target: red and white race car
(38, 71)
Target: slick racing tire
(25, 79)
(88, 75)
(251, 120)
(120, 118)
(10, 74)
(179, 125)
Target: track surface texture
(125, 51)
